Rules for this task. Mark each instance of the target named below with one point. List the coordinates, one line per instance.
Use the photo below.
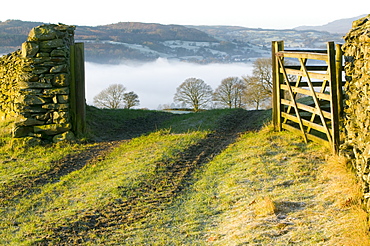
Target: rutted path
(169, 189)
(172, 176)
(73, 162)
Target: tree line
(115, 96)
(248, 91)
(233, 92)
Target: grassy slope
(262, 190)
(265, 188)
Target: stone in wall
(356, 52)
(34, 84)
(12, 67)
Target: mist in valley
(155, 82)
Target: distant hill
(120, 42)
(263, 37)
(341, 26)
(13, 33)
(136, 32)
(140, 41)
(125, 41)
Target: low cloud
(156, 82)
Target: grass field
(220, 177)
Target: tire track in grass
(171, 178)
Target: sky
(283, 14)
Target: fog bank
(155, 83)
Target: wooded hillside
(116, 43)
(136, 32)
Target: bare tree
(255, 92)
(230, 92)
(111, 97)
(262, 69)
(131, 99)
(194, 92)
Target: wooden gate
(307, 92)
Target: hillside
(13, 33)
(126, 41)
(219, 177)
(264, 37)
(341, 26)
(136, 32)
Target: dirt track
(172, 177)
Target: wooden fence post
(339, 72)
(334, 92)
(276, 90)
(77, 89)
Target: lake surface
(155, 83)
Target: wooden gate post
(276, 90)
(335, 91)
(339, 72)
(77, 89)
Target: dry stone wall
(34, 84)
(356, 52)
